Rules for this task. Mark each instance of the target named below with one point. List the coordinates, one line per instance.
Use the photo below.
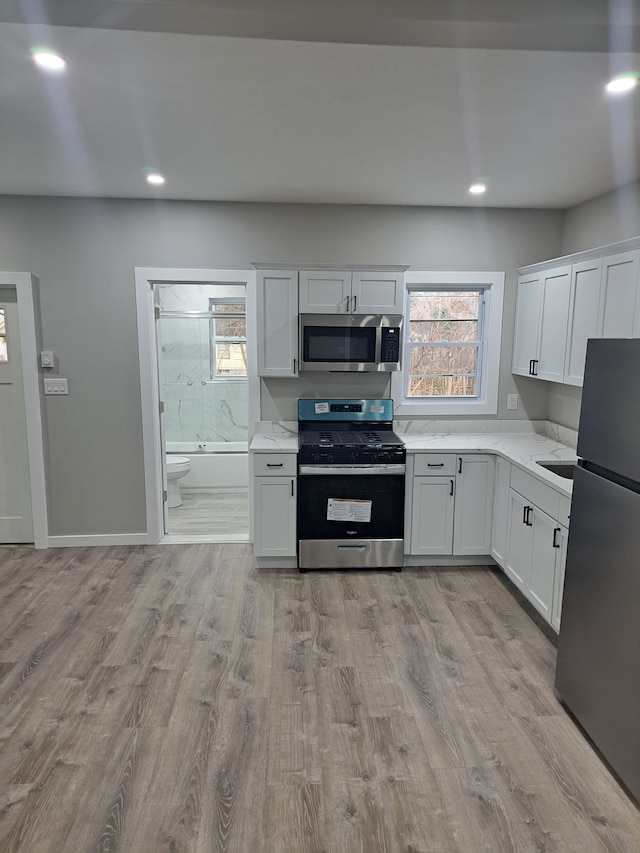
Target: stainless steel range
(351, 473)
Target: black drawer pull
(435, 464)
(275, 464)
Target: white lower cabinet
(432, 515)
(536, 548)
(561, 560)
(451, 504)
(274, 505)
(500, 511)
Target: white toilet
(177, 467)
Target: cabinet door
(432, 515)
(543, 564)
(473, 504)
(325, 292)
(619, 288)
(520, 541)
(500, 511)
(560, 543)
(528, 310)
(277, 312)
(274, 518)
(377, 293)
(553, 324)
(584, 311)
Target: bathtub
(214, 464)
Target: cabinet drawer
(438, 464)
(564, 510)
(278, 464)
(535, 492)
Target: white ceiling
(314, 106)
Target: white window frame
(224, 300)
(486, 403)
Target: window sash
(478, 344)
(232, 341)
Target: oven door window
(356, 344)
(317, 516)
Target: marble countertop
(523, 449)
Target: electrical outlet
(512, 401)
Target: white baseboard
(483, 560)
(100, 539)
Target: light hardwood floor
(219, 512)
(174, 698)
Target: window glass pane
(443, 330)
(231, 359)
(444, 305)
(439, 321)
(442, 386)
(227, 307)
(231, 328)
(3, 337)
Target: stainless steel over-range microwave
(350, 342)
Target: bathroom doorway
(203, 382)
(202, 372)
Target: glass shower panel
(198, 409)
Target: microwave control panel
(390, 349)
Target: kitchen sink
(562, 469)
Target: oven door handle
(352, 470)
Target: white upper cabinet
(618, 296)
(325, 292)
(560, 308)
(541, 324)
(584, 315)
(351, 292)
(528, 310)
(553, 324)
(377, 293)
(277, 315)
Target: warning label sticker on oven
(342, 509)
(321, 408)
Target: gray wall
(606, 219)
(84, 251)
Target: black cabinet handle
(534, 361)
(435, 464)
(353, 310)
(556, 542)
(460, 465)
(292, 488)
(525, 516)
(451, 492)
(275, 464)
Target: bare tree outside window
(444, 346)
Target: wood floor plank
(175, 699)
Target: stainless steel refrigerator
(598, 670)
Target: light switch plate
(56, 386)
(512, 402)
(46, 358)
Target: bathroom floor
(215, 512)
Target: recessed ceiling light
(47, 59)
(478, 189)
(155, 178)
(622, 83)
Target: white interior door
(16, 521)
